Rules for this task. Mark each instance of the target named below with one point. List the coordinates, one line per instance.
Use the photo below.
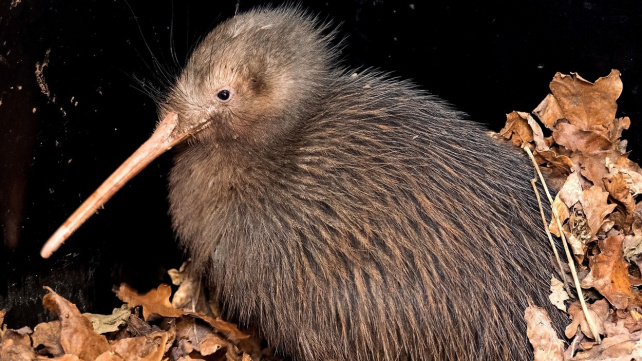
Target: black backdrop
(487, 58)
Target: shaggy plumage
(353, 217)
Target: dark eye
(223, 95)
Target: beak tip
(45, 253)
(50, 247)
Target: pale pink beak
(164, 138)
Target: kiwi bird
(351, 216)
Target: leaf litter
(582, 155)
(148, 327)
(585, 158)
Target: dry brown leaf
(178, 275)
(109, 323)
(153, 302)
(558, 294)
(137, 327)
(617, 348)
(16, 347)
(541, 143)
(633, 321)
(47, 334)
(561, 165)
(596, 201)
(228, 329)
(210, 344)
(584, 104)
(562, 214)
(578, 140)
(144, 348)
(617, 127)
(592, 167)
(615, 325)
(187, 358)
(2, 313)
(632, 246)
(598, 311)
(609, 273)
(596, 208)
(578, 232)
(157, 302)
(637, 219)
(618, 188)
(571, 192)
(189, 332)
(191, 295)
(567, 196)
(630, 170)
(517, 129)
(549, 111)
(77, 335)
(546, 345)
(109, 356)
(66, 357)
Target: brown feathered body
(352, 217)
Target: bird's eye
(223, 95)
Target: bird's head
(250, 82)
(253, 78)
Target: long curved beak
(164, 138)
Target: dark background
(487, 58)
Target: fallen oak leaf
(137, 327)
(546, 345)
(226, 328)
(549, 111)
(592, 167)
(579, 140)
(77, 335)
(617, 127)
(522, 129)
(151, 347)
(190, 296)
(16, 347)
(559, 163)
(633, 321)
(178, 275)
(584, 104)
(110, 356)
(618, 189)
(538, 136)
(609, 273)
(558, 294)
(617, 348)
(47, 334)
(632, 247)
(155, 301)
(596, 208)
(579, 233)
(571, 192)
(562, 213)
(629, 169)
(210, 344)
(66, 357)
(188, 334)
(598, 311)
(109, 323)
(568, 195)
